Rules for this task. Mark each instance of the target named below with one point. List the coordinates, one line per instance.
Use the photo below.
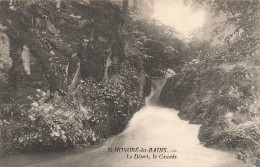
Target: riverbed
(155, 137)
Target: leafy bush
(86, 115)
(50, 126)
(81, 106)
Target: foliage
(93, 111)
(218, 86)
(157, 46)
(50, 126)
(43, 111)
(223, 97)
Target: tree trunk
(108, 64)
(17, 72)
(125, 8)
(75, 79)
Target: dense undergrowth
(80, 85)
(75, 76)
(218, 87)
(92, 112)
(156, 44)
(224, 98)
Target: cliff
(66, 78)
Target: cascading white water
(153, 98)
(161, 133)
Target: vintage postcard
(129, 83)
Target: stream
(155, 137)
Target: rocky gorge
(74, 73)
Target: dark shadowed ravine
(152, 127)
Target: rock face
(175, 92)
(65, 75)
(224, 100)
(58, 39)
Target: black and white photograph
(129, 83)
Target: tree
(239, 30)
(244, 15)
(125, 8)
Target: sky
(183, 18)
